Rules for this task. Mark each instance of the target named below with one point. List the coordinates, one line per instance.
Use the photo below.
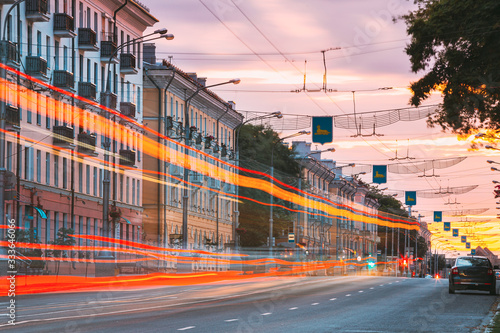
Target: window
(56, 55)
(89, 68)
(47, 49)
(133, 191)
(38, 110)
(28, 163)
(56, 224)
(138, 192)
(38, 166)
(87, 181)
(65, 174)
(65, 57)
(127, 189)
(56, 170)
(30, 40)
(81, 67)
(100, 183)
(47, 168)
(9, 156)
(80, 177)
(96, 73)
(121, 187)
(47, 114)
(103, 82)
(95, 181)
(39, 43)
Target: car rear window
(479, 262)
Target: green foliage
(255, 147)
(457, 44)
(29, 236)
(63, 238)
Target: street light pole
(185, 195)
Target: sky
(271, 44)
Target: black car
(472, 272)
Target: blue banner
(411, 198)
(473, 252)
(447, 226)
(438, 216)
(380, 174)
(455, 232)
(463, 239)
(467, 245)
(322, 130)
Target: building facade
(212, 208)
(339, 237)
(59, 53)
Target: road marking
(381, 285)
(294, 308)
(360, 291)
(266, 314)
(397, 281)
(230, 320)
(372, 288)
(332, 299)
(314, 303)
(390, 282)
(186, 328)
(348, 295)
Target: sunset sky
(266, 44)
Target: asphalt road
(313, 304)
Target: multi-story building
(59, 54)
(211, 207)
(340, 237)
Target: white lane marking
(314, 303)
(332, 299)
(372, 288)
(266, 314)
(230, 320)
(186, 328)
(390, 282)
(294, 308)
(381, 285)
(397, 281)
(348, 295)
(360, 291)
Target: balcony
(63, 80)
(127, 157)
(11, 53)
(128, 64)
(113, 100)
(214, 183)
(87, 90)
(63, 135)
(12, 121)
(108, 49)
(36, 10)
(37, 67)
(64, 25)
(87, 39)
(86, 143)
(127, 109)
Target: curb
(487, 323)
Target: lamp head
(478, 135)
(494, 169)
(161, 31)
(488, 147)
(490, 161)
(331, 150)
(235, 81)
(168, 36)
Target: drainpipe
(115, 34)
(160, 118)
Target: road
(312, 304)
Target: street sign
(380, 174)
(467, 245)
(410, 198)
(447, 226)
(438, 216)
(455, 232)
(473, 252)
(291, 237)
(322, 128)
(464, 239)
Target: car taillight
(490, 271)
(454, 271)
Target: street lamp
(107, 142)
(272, 187)
(187, 131)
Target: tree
(63, 238)
(255, 146)
(457, 43)
(29, 236)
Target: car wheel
(451, 290)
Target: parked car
(472, 272)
